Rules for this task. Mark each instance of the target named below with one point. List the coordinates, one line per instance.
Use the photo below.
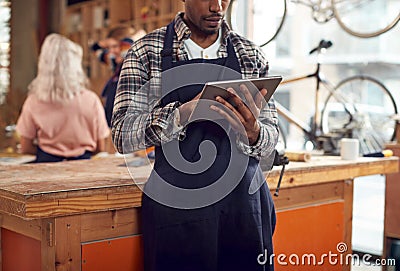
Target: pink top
(64, 129)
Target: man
(112, 51)
(206, 205)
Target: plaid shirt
(139, 121)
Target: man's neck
(202, 39)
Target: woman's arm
(27, 146)
(101, 145)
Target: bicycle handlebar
(323, 44)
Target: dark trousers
(43, 157)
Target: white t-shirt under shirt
(66, 130)
(194, 52)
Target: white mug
(349, 148)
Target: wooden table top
(55, 189)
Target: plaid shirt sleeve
(139, 121)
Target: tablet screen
(219, 88)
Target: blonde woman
(61, 119)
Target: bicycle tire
(369, 34)
(228, 14)
(232, 10)
(278, 30)
(373, 109)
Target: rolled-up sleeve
(268, 120)
(139, 121)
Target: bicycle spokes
(321, 10)
(368, 112)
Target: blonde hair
(60, 73)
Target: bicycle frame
(313, 132)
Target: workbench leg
(348, 219)
(68, 236)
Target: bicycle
(359, 107)
(360, 18)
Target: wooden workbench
(85, 215)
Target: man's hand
(245, 113)
(186, 109)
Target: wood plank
(164, 7)
(136, 7)
(87, 21)
(68, 243)
(1, 246)
(110, 224)
(393, 235)
(30, 228)
(78, 205)
(295, 197)
(10, 205)
(332, 169)
(348, 218)
(177, 6)
(392, 202)
(120, 11)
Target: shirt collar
(183, 32)
(195, 51)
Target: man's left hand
(245, 113)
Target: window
(5, 16)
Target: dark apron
(228, 234)
(109, 93)
(44, 157)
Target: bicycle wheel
(366, 18)
(361, 107)
(262, 24)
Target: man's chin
(211, 31)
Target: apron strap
(166, 52)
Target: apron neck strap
(167, 51)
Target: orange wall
(19, 253)
(296, 232)
(113, 254)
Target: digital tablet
(219, 88)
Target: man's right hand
(186, 109)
